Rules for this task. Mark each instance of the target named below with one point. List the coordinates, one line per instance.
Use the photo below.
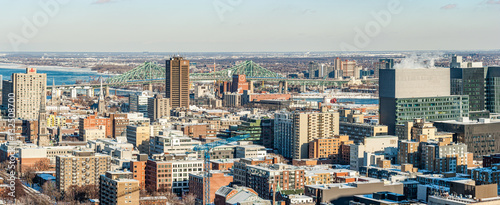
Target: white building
(385, 143)
(250, 151)
(172, 142)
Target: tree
(151, 189)
(28, 174)
(4, 194)
(143, 193)
(50, 189)
(189, 199)
(20, 192)
(81, 193)
(171, 198)
(92, 191)
(42, 165)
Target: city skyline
(249, 26)
(289, 102)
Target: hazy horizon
(249, 26)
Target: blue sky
(248, 25)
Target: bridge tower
(283, 87)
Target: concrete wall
(409, 83)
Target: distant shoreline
(44, 67)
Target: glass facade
(432, 108)
(493, 94)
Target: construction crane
(206, 149)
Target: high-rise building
(382, 64)
(470, 81)
(139, 102)
(29, 90)
(118, 188)
(492, 88)
(177, 82)
(389, 63)
(350, 69)
(158, 107)
(80, 169)
(294, 130)
(407, 94)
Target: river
(61, 75)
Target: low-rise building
(250, 151)
(359, 131)
(386, 145)
(171, 174)
(238, 195)
(328, 148)
(172, 143)
(266, 177)
(118, 188)
(342, 193)
(217, 179)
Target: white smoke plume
(424, 60)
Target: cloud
(449, 6)
(102, 1)
(493, 2)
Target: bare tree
(189, 199)
(28, 174)
(171, 197)
(50, 189)
(143, 193)
(92, 191)
(20, 192)
(42, 165)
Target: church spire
(101, 106)
(101, 95)
(43, 137)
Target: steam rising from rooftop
(426, 60)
